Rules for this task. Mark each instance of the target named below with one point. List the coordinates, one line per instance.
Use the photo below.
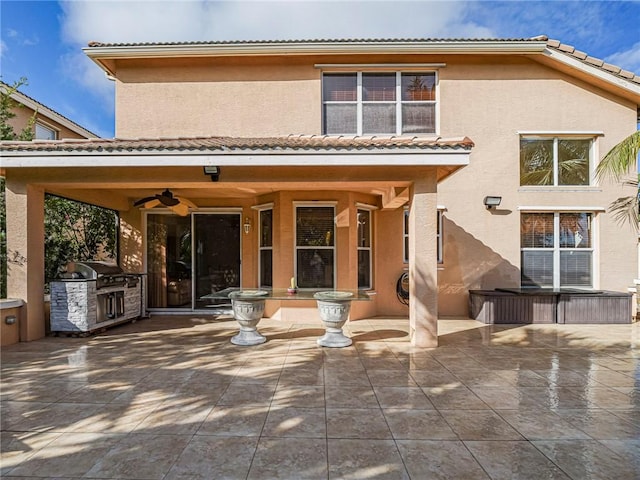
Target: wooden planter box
(603, 307)
(492, 306)
(515, 306)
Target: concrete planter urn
(248, 307)
(334, 311)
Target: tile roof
(294, 143)
(552, 44)
(317, 41)
(592, 61)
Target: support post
(25, 254)
(423, 280)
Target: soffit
(541, 48)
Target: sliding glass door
(216, 255)
(191, 257)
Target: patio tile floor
(170, 398)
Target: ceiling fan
(179, 205)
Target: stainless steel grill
(77, 306)
(105, 274)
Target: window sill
(564, 188)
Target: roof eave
(99, 54)
(610, 78)
(248, 158)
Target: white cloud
(159, 21)
(78, 67)
(120, 21)
(628, 59)
(11, 33)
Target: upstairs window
(555, 161)
(45, 133)
(379, 103)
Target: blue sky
(43, 40)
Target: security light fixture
(491, 202)
(212, 171)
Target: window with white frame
(315, 246)
(439, 246)
(45, 133)
(364, 249)
(555, 161)
(266, 248)
(556, 249)
(367, 103)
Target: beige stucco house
(344, 164)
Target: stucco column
(423, 285)
(131, 240)
(25, 254)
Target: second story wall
(201, 97)
(478, 96)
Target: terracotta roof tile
(626, 74)
(611, 68)
(566, 48)
(579, 54)
(594, 61)
(208, 144)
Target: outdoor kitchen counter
(248, 308)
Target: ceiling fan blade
(187, 202)
(144, 200)
(181, 209)
(151, 203)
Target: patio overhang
(249, 167)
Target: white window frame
(312, 204)
(439, 236)
(592, 137)
(398, 102)
(405, 235)
(556, 249)
(369, 209)
(261, 209)
(48, 128)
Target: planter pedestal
(248, 307)
(334, 311)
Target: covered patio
(171, 398)
(345, 176)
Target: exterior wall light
(10, 320)
(247, 225)
(491, 202)
(212, 171)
